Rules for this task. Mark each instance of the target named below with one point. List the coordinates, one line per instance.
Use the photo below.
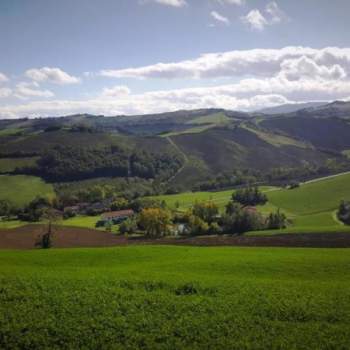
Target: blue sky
(142, 56)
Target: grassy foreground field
(175, 297)
(21, 189)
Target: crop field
(175, 297)
(22, 189)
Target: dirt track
(73, 237)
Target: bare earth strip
(73, 237)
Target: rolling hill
(181, 148)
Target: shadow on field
(26, 237)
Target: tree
(155, 221)
(232, 208)
(276, 220)
(51, 215)
(249, 196)
(196, 226)
(120, 204)
(6, 208)
(35, 210)
(207, 211)
(242, 221)
(128, 226)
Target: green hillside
(21, 189)
(314, 197)
(175, 298)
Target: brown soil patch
(73, 237)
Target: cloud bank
(244, 80)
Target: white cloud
(233, 64)
(248, 94)
(52, 75)
(25, 90)
(115, 91)
(3, 78)
(277, 15)
(263, 78)
(220, 18)
(174, 3)
(232, 2)
(255, 20)
(5, 92)
(258, 20)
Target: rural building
(117, 216)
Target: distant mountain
(291, 107)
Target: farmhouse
(117, 216)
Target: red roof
(117, 214)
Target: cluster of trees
(344, 212)
(65, 163)
(249, 196)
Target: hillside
(179, 149)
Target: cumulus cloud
(3, 78)
(256, 62)
(51, 75)
(25, 90)
(248, 94)
(174, 3)
(255, 20)
(220, 18)
(263, 78)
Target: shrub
(344, 212)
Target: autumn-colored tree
(207, 211)
(155, 221)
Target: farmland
(310, 208)
(175, 297)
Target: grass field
(310, 208)
(10, 164)
(187, 199)
(175, 298)
(21, 189)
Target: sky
(116, 57)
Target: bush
(293, 185)
(344, 212)
(196, 226)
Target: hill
(180, 150)
(291, 107)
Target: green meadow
(21, 189)
(175, 298)
(310, 208)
